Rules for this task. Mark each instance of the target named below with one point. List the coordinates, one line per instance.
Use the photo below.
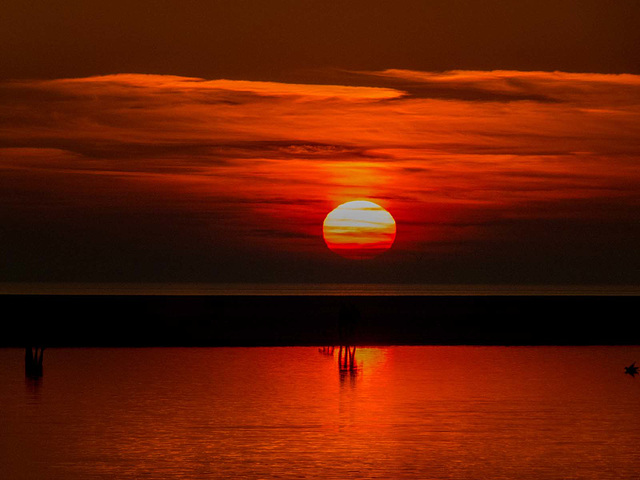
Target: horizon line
(309, 289)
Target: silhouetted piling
(33, 358)
(347, 358)
(347, 324)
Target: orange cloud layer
(458, 157)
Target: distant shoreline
(322, 289)
(270, 320)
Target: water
(408, 412)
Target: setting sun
(359, 230)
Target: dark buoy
(631, 370)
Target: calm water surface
(409, 412)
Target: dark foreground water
(408, 412)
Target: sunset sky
(206, 141)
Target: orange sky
(492, 176)
(282, 39)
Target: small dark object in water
(327, 350)
(631, 370)
(347, 358)
(33, 361)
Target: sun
(359, 229)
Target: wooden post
(33, 359)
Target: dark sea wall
(139, 320)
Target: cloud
(232, 158)
(509, 86)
